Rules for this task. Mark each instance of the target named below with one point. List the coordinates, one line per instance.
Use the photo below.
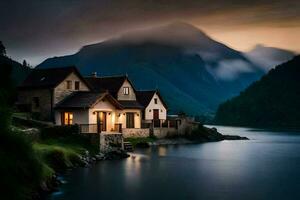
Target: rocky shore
(200, 135)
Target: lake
(265, 167)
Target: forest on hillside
(273, 101)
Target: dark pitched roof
(112, 84)
(85, 99)
(49, 78)
(131, 104)
(144, 97)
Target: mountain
(193, 72)
(273, 101)
(268, 57)
(19, 72)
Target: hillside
(193, 72)
(19, 72)
(273, 101)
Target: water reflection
(265, 167)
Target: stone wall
(165, 132)
(43, 111)
(135, 132)
(145, 132)
(186, 126)
(111, 141)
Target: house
(121, 89)
(93, 111)
(155, 109)
(44, 88)
(97, 104)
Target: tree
(2, 49)
(25, 64)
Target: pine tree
(25, 64)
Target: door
(129, 120)
(101, 121)
(156, 118)
(155, 114)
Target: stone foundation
(145, 132)
(135, 132)
(110, 142)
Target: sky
(38, 29)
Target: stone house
(44, 88)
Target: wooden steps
(128, 147)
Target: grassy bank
(60, 148)
(29, 162)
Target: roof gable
(144, 97)
(112, 84)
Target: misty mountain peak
(178, 33)
(268, 57)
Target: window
(129, 120)
(69, 85)
(67, 118)
(155, 100)
(126, 90)
(77, 85)
(36, 102)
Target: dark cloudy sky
(37, 29)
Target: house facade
(44, 88)
(155, 109)
(96, 104)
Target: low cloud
(231, 69)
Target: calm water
(266, 167)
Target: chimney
(94, 74)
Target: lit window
(155, 100)
(68, 118)
(69, 85)
(126, 90)
(77, 85)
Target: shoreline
(182, 141)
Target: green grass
(56, 157)
(137, 140)
(62, 153)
